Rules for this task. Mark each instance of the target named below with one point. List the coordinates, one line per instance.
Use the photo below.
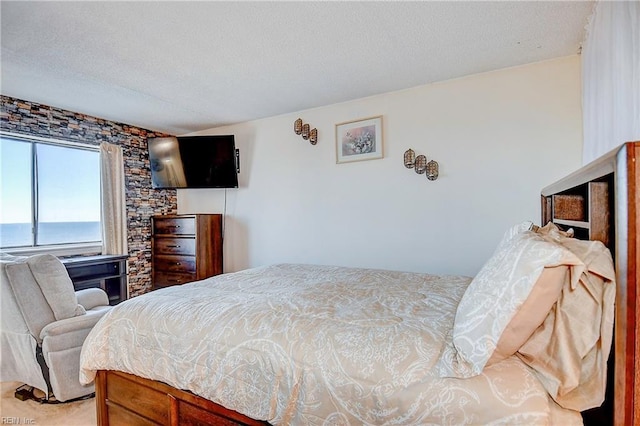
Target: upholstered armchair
(44, 324)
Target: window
(49, 193)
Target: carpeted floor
(14, 411)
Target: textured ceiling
(181, 67)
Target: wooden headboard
(601, 201)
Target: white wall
(499, 137)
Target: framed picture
(359, 140)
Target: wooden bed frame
(601, 201)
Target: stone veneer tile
(33, 119)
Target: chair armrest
(70, 325)
(92, 297)
(71, 332)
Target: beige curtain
(611, 78)
(114, 212)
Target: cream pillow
(543, 296)
(496, 295)
(532, 313)
(568, 353)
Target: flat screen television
(193, 162)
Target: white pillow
(496, 295)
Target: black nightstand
(108, 272)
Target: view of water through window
(49, 194)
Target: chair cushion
(57, 287)
(43, 290)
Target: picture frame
(359, 140)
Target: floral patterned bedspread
(315, 345)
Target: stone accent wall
(33, 119)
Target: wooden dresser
(185, 248)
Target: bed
(305, 344)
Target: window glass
(15, 193)
(68, 195)
(58, 204)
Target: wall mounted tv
(194, 162)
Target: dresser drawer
(174, 263)
(175, 246)
(123, 399)
(174, 225)
(165, 279)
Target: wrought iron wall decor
(432, 170)
(409, 159)
(420, 164)
(305, 131)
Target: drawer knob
(177, 263)
(173, 246)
